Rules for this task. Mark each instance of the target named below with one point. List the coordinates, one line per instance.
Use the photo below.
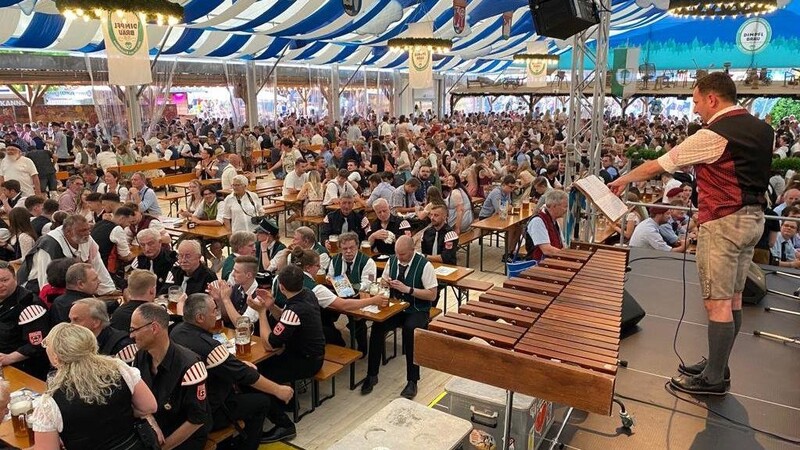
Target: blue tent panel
(277, 9)
(196, 9)
(231, 46)
(188, 38)
(42, 31)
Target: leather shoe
(278, 433)
(697, 385)
(410, 391)
(696, 369)
(368, 384)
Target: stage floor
(765, 374)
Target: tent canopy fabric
(320, 32)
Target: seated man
(141, 289)
(144, 196)
(544, 237)
(70, 200)
(94, 204)
(92, 313)
(242, 243)
(335, 189)
(236, 391)
(783, 253)
(439, 241)
(154, 256)
(112, 240)
(500, 198)
(304, 238)
(177, 378)
(381, 184)
(49, 207)
(24, 324)
(10, 195)
(647, 233)
(144, 221)
(72, 239)
(404, 200)
(208, 212)
(298, 331)
(82, 282)
(232, 296)
(268, 243)
(191, 274)
(412, 279)
(386, 228)
(295, 179)
(344, 220)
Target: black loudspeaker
(632, 312)
(563, 18)
(755, 287)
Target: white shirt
(122, 191)
(334, 190)
(368, 273)
(646, 235)
(119, 237)
(317, 140)
(324, 295)
(227, 176)
(106, 160)
(294, 181)
(240, 211)
(47, 416)
(88, 252)
(21, 170)
(250, 312)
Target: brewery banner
(420, 70)
(536, 68)
(507, 17)
(125, 36)
(459, 15)
(625, 69)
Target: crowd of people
(69, 251)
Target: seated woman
(93, 401)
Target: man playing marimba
(543, 237)
(732, 158)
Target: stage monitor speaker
(755, 287)
(632, 312)
(563, 18)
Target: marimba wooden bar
(552, 332)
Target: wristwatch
(411, 290)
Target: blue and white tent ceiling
(319, 32)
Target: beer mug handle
(252, 328)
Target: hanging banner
(351, 7)
(459, 15)
(753, 36)
(507, 17)
(536, 68)
(625, 68)
(125, 37)
(420, 68)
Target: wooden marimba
(552, 333)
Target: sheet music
(599, 194)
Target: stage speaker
(755, 287)
(632, 312)
(563, 18)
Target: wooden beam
(581, 388)
(17, 93)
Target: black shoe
(697, 385)
(696, 369)
(368, 384)
(278, 434)
(410, 391)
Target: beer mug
(20, 407)
(174, 294)
(334, 241)
(243, 336)
(218, 326)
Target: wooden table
(258, 352)
(394, 308)
(17, 380)
(495, 224)
(257, 187)
(202, 231)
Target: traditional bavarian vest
(340, 266)
(553, 232)
(413, 278)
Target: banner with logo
(459, 15)
(536, 68)
(351, 7)
(507, 17)
(754, 36)
(625, 69)
(125, 37)
(420, 68)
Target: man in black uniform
(386, 223)
(141, 289)
(344, 220)
(92, 313)
(298, 331)
(191, 274)
(225, 372)
(82, 282)
(177, 378)
(24, 323)
(156, 257)
(439, 241)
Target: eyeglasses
(134, 330)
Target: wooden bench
(312, 222)
(464, 285)
(466, 238)
(216, 437)
(328, 371)
(341, 356)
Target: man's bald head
(791, 196)
(404, 248)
